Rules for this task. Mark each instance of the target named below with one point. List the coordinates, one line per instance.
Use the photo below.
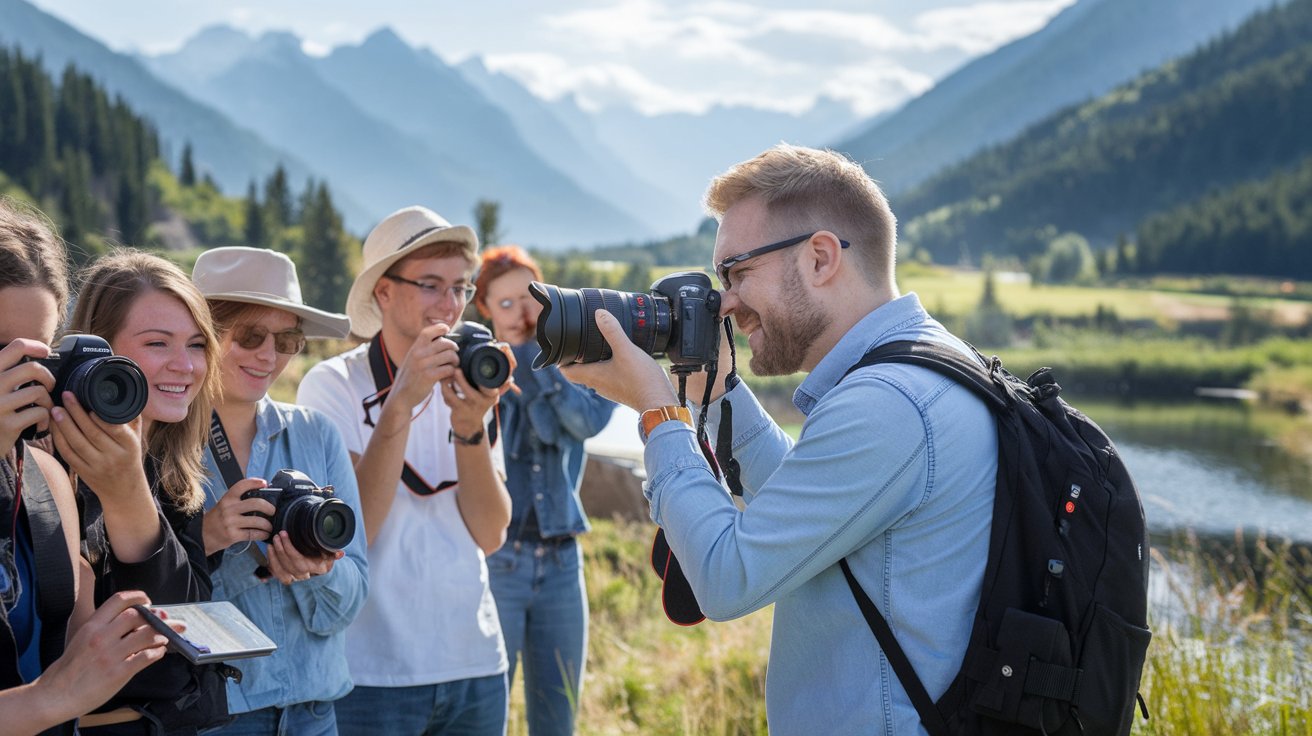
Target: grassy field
(1230, 653)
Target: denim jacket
(894, 470)
(306, 619)
(544, 427)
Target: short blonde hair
(812, 189)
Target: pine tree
(257, 236)
(487, 219)
(323, 264)
(277, 200)
(187, 172)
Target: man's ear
(382, 292)
(823, 256)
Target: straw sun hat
(397, 236)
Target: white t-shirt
(430, 616)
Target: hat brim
(315, 323)
(366, 320)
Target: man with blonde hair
(426, 651)
(893, 471)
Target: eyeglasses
(251, 337)
(722, 268)
(459, 292)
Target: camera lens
(567, 328)
(485, 366)
(318, 525)
(112, 388)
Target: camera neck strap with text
(231, 471)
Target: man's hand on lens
(631, 377)
(21, 405)
(432, 359)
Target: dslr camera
(481, 358)
(316, 522)
(110, 386)
(679, 319)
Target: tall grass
(1231, 651)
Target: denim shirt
(544, 427)
(895, 471)
(307, 619)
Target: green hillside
(93, 165)
(1237, 110)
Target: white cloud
(873, 88)
(594, 85)
(982, 27)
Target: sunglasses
(251, 337)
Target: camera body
(679, 318)
(110, 386)
(481, 358)
(317, 522)
(694, 318)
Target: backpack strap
(945, 361)
(979, 380)
(54, 571)
(930, 717)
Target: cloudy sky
(655, 55)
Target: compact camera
(316, 522)
(481, 358)
(678, 318)
(110, 386)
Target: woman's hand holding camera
(230, 521)
(24, 390)
(107, 457)
(289, 566)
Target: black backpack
(1060, 635)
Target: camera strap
(677, 597)
(221, 449)
(383, 370)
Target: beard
(789, 339)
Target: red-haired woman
(537, 576)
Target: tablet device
(216, 632)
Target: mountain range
(1085, 51)
(387, 124)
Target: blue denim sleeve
(580, 410)
(329, 603)
(860, 465)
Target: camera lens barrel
(113, 388)
(315, 525)
(567, 328)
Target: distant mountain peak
(385, 38)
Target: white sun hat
(265, 277)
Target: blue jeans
(543, 606)
(473, 707)
(301, 719)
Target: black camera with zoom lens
(110, 386)
(481, 359)
(316, 522)
(679, 318)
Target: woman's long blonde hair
(109, 286)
